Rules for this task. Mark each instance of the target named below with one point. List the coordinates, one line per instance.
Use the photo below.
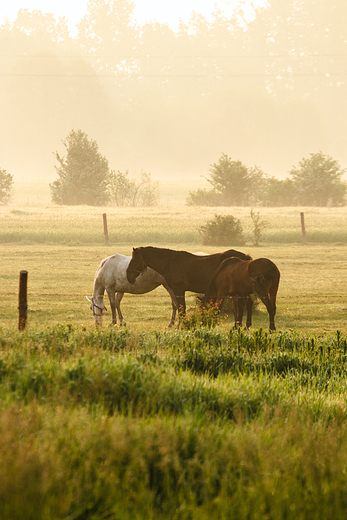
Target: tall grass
(184, 424)
(163, 225)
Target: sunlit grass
(123, 424)
(163, 225)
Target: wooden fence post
(23, 305)
(104, 216)
(303, 230)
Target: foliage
(258, 227)
(232, 180)
(280, 193)
(222, 230)
(6, 186)
(233, 185)
(83, 173)
(125, 191)
(203, 197)
(201, 317)
(317, 181)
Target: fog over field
(267, 87)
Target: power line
(169, 56)
(278, 75)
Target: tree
(6, 186)
(231, 179)
(234, 184)
(317, 181)
(83, 173)
(108, 30)
(280, 192)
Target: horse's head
(136, 265)
(98, 308)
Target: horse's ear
(89, 298)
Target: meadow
(150, 423)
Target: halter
(97, 307)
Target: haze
(266, 87)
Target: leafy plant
(197, 317)
(258, 227)
(222, 230)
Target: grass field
(147, 423)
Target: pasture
(150, 423)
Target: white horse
(111, 275)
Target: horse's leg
(173, 303)
(119, 296)
(235, 300)
(181, 305)
(111, 297)
(241, 307)
(174, 310)
(249, 307)
(270, 304)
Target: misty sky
(171, 103)
(145, 10)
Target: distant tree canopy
(6, 186)
(315, 182)
(248, 72)
(82, 173)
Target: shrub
(197, 317)
(221, 231)
(203, 197)
(124, 191)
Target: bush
(222, 231)
(203, 197)
(6, 186)
(124, 191)
(200, 317)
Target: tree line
(269, 86)
(84, 177)
(316, 181)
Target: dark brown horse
(239, 279)
(182, 271)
